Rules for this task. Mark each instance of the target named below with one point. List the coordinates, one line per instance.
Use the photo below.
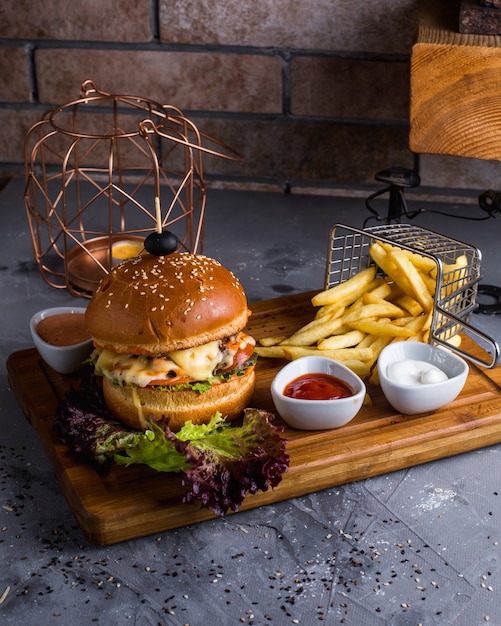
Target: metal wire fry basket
(454, 301)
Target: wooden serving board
(131, 502)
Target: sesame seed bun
(153, 305)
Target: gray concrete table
(417, 546)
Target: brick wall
(314, 94)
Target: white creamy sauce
(412, 372)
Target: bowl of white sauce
(419, 377)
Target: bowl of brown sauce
(61, 337)
(317, 393)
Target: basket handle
(481, 339)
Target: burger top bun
(156, 304)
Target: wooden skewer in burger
(168, 330)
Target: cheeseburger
(169, 340)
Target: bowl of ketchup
(61, 337)
(317, 393)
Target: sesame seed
(5, 594)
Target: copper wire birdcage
(107, 168)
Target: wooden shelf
(455, 104)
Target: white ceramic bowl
(317, 414)
(421, 398)
(62, 359)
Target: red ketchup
(317, 387)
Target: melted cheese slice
(139, 407)
(197, 363)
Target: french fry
(330, 310)
(419, 337)
(319, 322)
(272, 341)
(374, 377)
(271, 352)
(383, 290)
(379, 328)
(367, 341)
(382, 309)
(359, 367)
(347, 292)
(416, 324)
(377, 346)
(367, 400)
(454, 341)
(342, 354)
(356, 365)
(313, 333)
(428, 320)
(430, 282)
(384, 261)
(346, 340)
(377, 296)
(402, 321)
(421, 262)
(409, 304)
(453, 282)
(460, 263)
(397, 265)
(374, 291)
(417, 284)
(396, 292)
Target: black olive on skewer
(161, 244)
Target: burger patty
(211, 361)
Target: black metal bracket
(396, 179)
(494, 295)
(490, 202)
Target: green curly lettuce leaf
(219, 462)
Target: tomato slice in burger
(242, 356)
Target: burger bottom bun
(229, 398)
